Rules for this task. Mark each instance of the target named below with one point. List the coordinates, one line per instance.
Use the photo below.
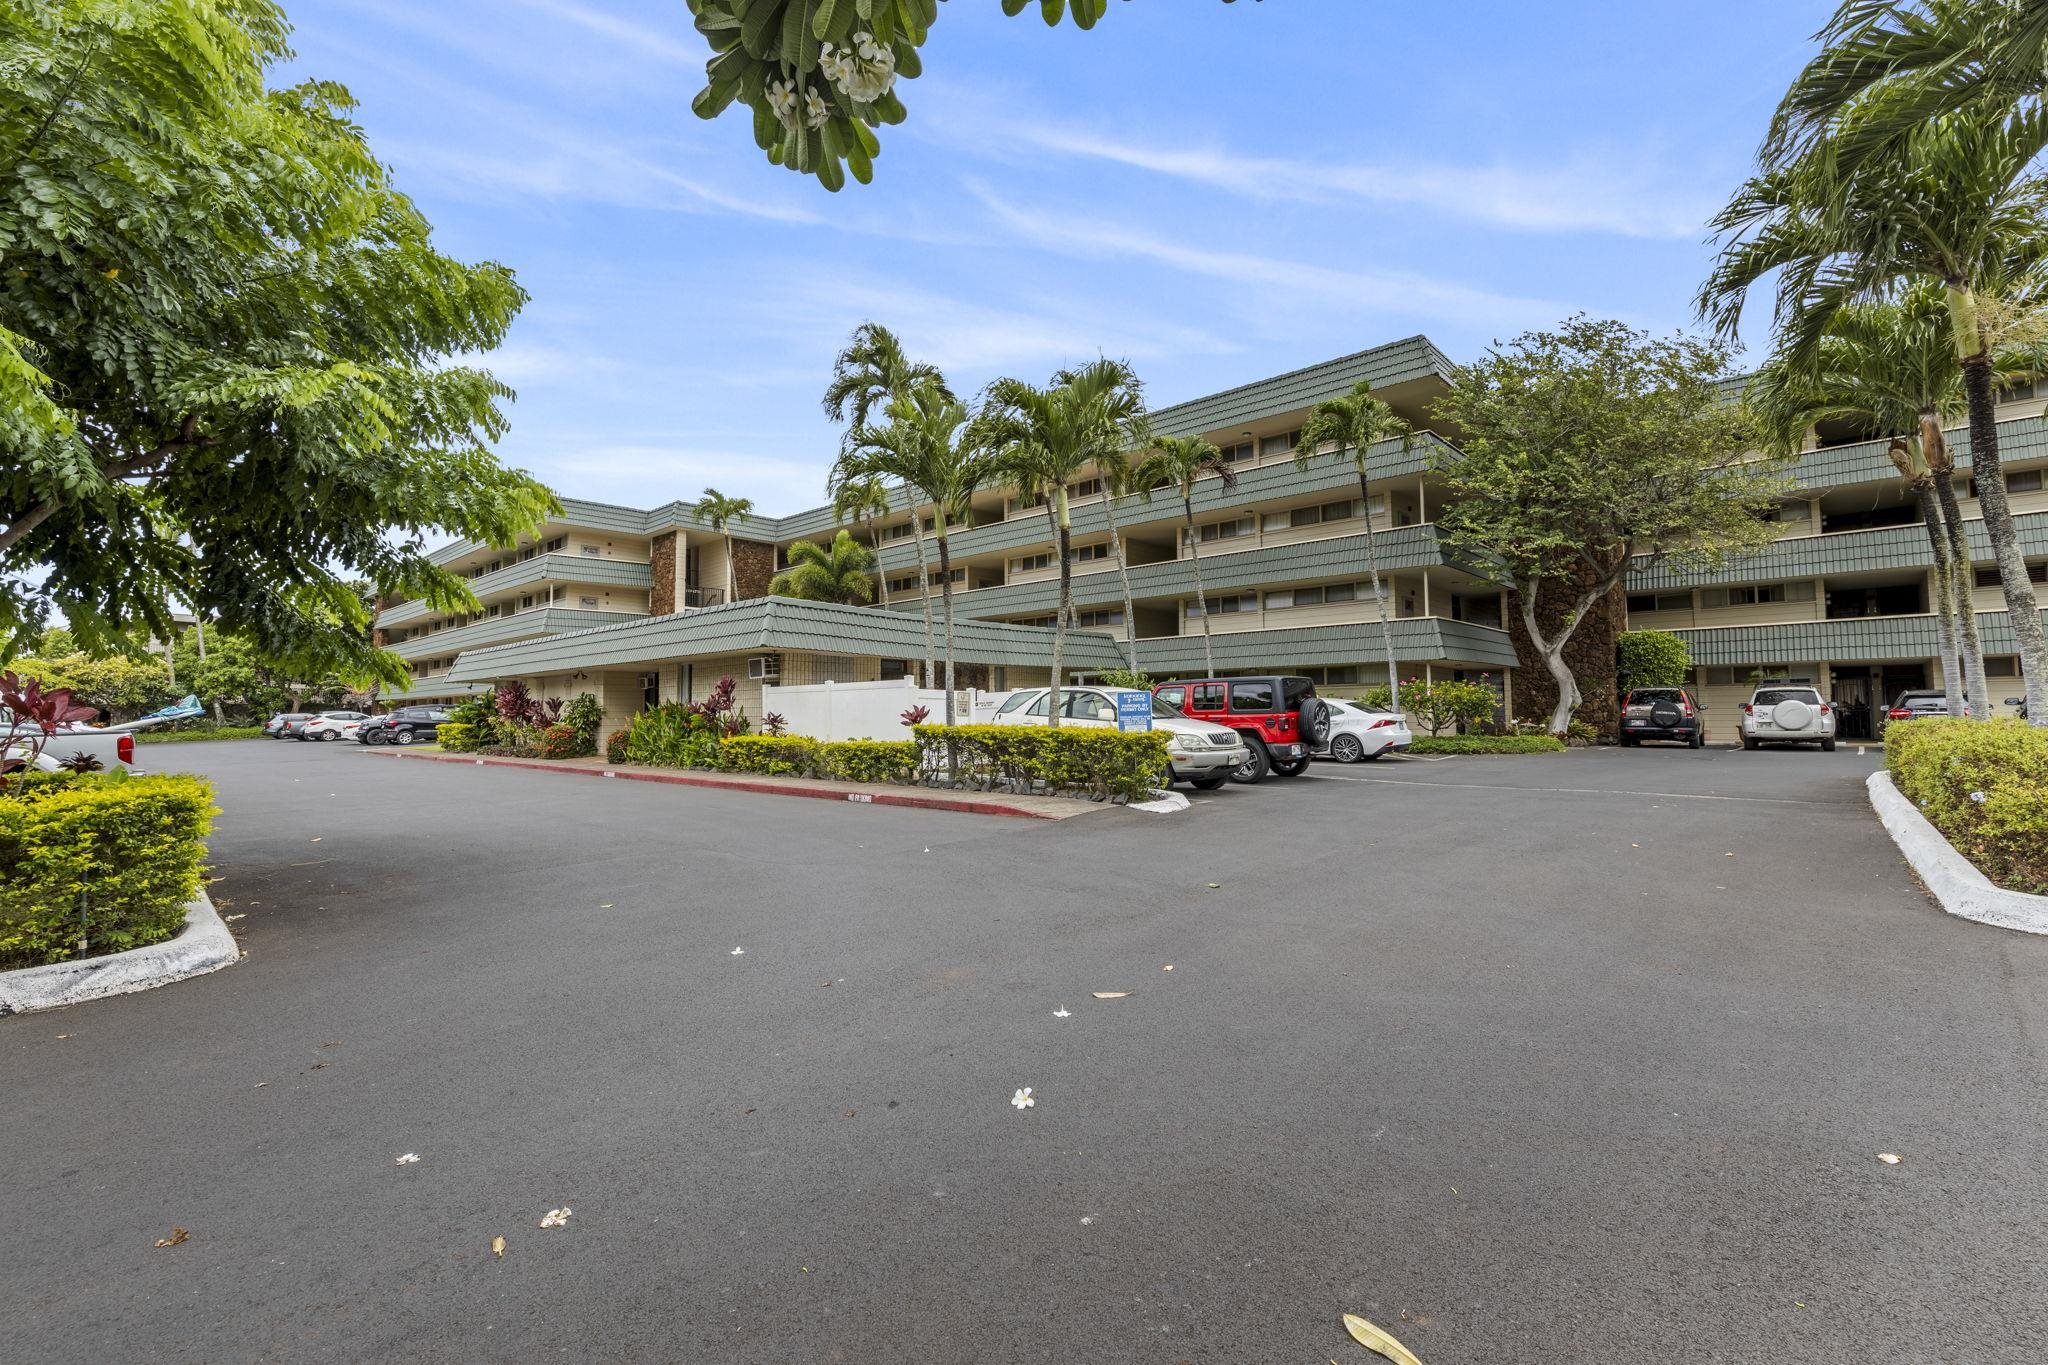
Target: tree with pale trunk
(1589, 451)
(1130, 474)
(1352, 425)
(867, 502)
(1886, 367)
(1956, 199)
(719, 512)
(1179, 462)
(1042, 439)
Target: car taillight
(1898, 713)
(124, 748)
(1824, 709)
(1748, 710)
(1686, 702)
(1381, 724)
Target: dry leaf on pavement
(1109, 995)
(1888, 1158)
(177, 1235)
(1372, 1338)
(497, 1246)
(556, 1218)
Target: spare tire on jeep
(1315, 720)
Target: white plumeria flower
(1062, 1012)
(408, 1159)
(782, 99)
(556, 1218)
(816, 111)
(1022, 1099)
(737, 952)
(838, 64)
(865, 44)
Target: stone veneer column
(753, 568)
(663, 552)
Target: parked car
(1917, 702)
(331, 725)
(113, 748)
(1360, 735)
(1787, 713)
(1199, 753)
(1662, 713)
(406, 725)
(279, 725)
(1281, 718)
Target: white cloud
(1305, 286)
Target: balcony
(502, 629)
(580, 570)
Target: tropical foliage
(719, 512)
(842, 572)
(1650, 658)
(231, 361)
(1178, 461)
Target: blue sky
(1214, 192)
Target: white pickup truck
(113, 746)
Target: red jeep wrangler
(1281, 718)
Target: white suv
(1788, 713)
(1201, 753)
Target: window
(1312, 597)
(2007, 666)
(1173, 696)
(838, 668)
(1789, 511)
(1379, 504)
(1028, 563)
(1018, 702)
(1251, 696)
(1041, 705)
(2017, 481)
(1758, 593)
(528, 553)
(1278, 445)
(2016, 393)
(1085, 553)
(1226, 604)
(1086, 488)
(1226, 530)
(1097, 619)
(526, 600)
(557, 543)
(1239, 453)
(1080, 705)
(1208, 696)
(896, 668)
(1988, 578)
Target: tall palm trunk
(1372, 568)
(2023, 611)
(1064, 521)
(1187, 507)
(1123, 574)
(924, 587)
(881, 574)
(1944, 595)
(946, 589)
(1963, 581)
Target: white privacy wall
(859, 710)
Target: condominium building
(641, 606)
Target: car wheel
(1749, 742)
(328, 736)
(1629, 741)
(1255, 766)
(1347, 749)
(403, 737)
(1699, 739)
(1209, 784)
(1290, 767)
(1827, 746)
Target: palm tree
(1354, 423)
(1888, 367)
(1042, 439)
(836, 573)
(1124, 477)
(1958, 205)
(717, 511)
(865, 501)
(925, 447)
(1179, 461)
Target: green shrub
(135, 843)
(1075, 761)
(1126, 679)
(209, 731)
(615, 747)
(1437, 707)
(458, 738)
(776, 755)
(869, 760)
(586, 713)
(1650, 658)
(557, 741)
(1984, 785)
(1486, 744)
(672, 735)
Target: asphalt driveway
(1509, 1055)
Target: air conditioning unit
(764, 668)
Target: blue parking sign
(1133, 710)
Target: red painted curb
(959, 804)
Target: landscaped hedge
(457, 738)
(1076, 761)
(1984, 785)
(187, 736)
(135, 844)
(557, 741)
(1486, 744)
(615, 747)
(776, 755)
(870, 760)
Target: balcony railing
(694, 598)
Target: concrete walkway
(861, 793)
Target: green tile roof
(1887, 547)
(770, 624)
(534, 621)
(1397, 362)
(2019, 438)
(1852, 639)
(561, 568)
(1426, 639)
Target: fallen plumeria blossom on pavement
(556, 1218)
(1022, 1099)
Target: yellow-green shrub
(869, 760)
(776, 755)
(1944, 766)
(135, 845)
(458, 738)
(1072, 761)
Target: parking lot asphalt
(1586, 1057)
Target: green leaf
(1052, 11)
(759, 33)
(821, 21)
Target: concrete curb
(203, 945)
(964, 805)
(1952, 879)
